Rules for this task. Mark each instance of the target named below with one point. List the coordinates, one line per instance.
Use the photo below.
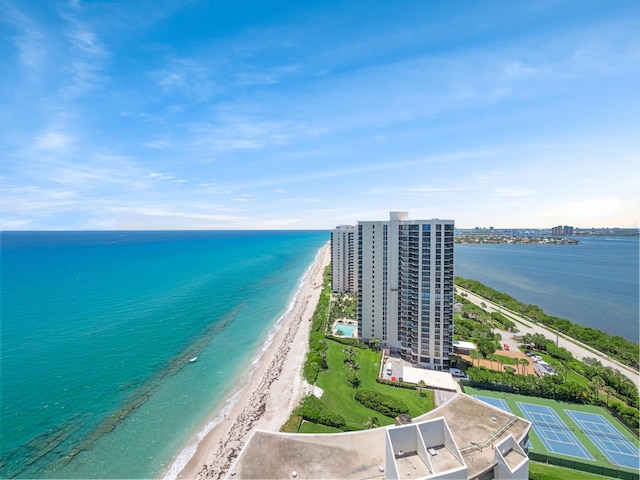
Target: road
(577, 349)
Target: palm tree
(539, 341)
(455, 360)
(354, 367)
(609, 391)
(596, 384)
(491, 357)
(421, 385)
(561, 371)
(475, 355)
(525, 363)
(349, 351)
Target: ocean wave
(186, 454)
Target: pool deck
(340, 324)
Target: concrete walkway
(578, 349)
(443, 396)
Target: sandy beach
(274, 389)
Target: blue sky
(168, 114)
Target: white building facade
(343, 256)
(405, 287)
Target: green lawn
(541, 471)
(339, 394)
(577, 378)
(506, 360)
(559, 407)
(310, 427)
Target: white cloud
(187, 77)
(512, 192)
(84, 60)
(241, 133)
(53, 140)
(520, 70)
(30, 41)
(408, 190)
(243, 198)
(169, 80)
(86, 41)
(267, 76)
(158, 144)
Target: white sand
(274, 389)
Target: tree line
(551, 386)
(616, 347)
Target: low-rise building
(462, 347)
(464, 438)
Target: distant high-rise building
(561, 230)
(343, 270)
(405, 287)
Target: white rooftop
(433, 378)
(465, 345)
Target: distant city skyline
(190, 114)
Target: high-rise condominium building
(343, 259)
(405, 287)
(562, 230)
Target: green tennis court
(555, 414)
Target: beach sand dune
(274, 389)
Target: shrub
(315, 358)
(547, 387)
(384, 381)
(292, 425)
(311, 371)
(630, 414)
(317, 342)
(331, 419)
(384, 404)
(617, 347)
(314, 410)
(353, 342)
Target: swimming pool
(347, 330)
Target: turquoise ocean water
(595, 283)
(98, 329)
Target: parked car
(506, 347)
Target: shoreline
(266, 398)
(577, 348)
(564, 283)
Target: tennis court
(496, 402)
(618, 449)
(553, 432)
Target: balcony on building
(425, 450)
